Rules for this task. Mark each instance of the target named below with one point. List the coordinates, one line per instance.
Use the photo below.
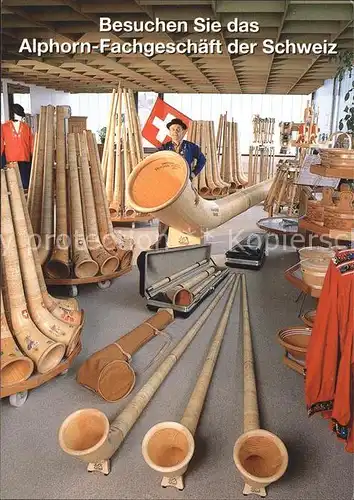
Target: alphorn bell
(87, 434)
(180, 293)
(45, 353)
(168, 447)
(260, 456)
(15, 367)
(48, 324)
(175, 202)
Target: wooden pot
(295, 340)
(322, 253)
(314, 272)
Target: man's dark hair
(177, 121)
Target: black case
(249, 253)
(156, 266)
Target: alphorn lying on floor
(97, 442)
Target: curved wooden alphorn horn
(176, 204)
(49, 325)
(66, 310)
(45, 353)
(58, 264)
(84, 265)
(108, 263)
(15, 367)
(168, 447)
(47, 219)
(98, 441)
(260, 456)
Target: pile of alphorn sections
(284, 191)
(68, 206)
(37, 330)
(222, 174)
(123, 150)
(261, 152)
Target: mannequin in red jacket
(17, 143)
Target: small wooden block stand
(178, 239)
(250, 490)
(132, 220)
(104, 467)
(174, 482)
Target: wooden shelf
(336, 234)
(294, 276)
(336, 173)
(40, 378)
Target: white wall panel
(241, 107)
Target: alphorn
(15, 367)
(45, 353)
(84, 265)
(260, 456)
(49, 325)
(58, 264)
(108, 263)
(175, 202)
(168, 447)
(66, 310)
(47, 219)
(115, 208)
(87, 434)
(178, 292)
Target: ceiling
(73, 20)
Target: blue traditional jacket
(190, 152)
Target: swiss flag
(155, 130)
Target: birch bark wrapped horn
(108, 372)
(85, 266)
(58, 265)
(175, 202)
(15, 367)
(260, 456)
(87, 434)
(168, 447)
(49, 325)
(45, 353)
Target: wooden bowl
(316, 253)
(295, 340)
(309, 318)
(314, 271)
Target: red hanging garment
(18, 146)
(330, 354)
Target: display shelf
(294, 276)
(279, 225)
(41, 378)
(336, 234)
(331, 172)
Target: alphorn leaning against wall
(168, 447)
(45, 352)
(96, 443)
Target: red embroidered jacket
(18, 146)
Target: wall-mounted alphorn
(73, 211)
(97, 442)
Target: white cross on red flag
(155, 130)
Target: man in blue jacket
(191, 153)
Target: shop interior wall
(329, 100)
